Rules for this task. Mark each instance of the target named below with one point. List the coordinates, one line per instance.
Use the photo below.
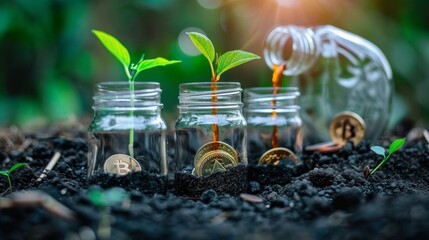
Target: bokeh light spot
(210, 4)
(286, 3)
(185, 42)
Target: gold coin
(121, 164)
(214, 156)
(275, 155)
(215, 146)
(214, 161)
(347, 126)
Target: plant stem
(104, 230)
(127, 71)
(215, 127)
(276, 83)
(131, 141)
(10, 183)
(380, 164)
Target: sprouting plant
(223, 62)
(219, 63)
(104, 199)
(394, 146)
(8, 172)
(131, 69)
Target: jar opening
(207, 95)
(267, 98)
(118, 96)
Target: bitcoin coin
(214, 161)
(275, 155)
(214, 156)
(215, 146)
(121, 164)
(347, 126)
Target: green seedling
(394, 146)
(121, 53)
(8, 172)
(104, 199)
(223, 62)
(219, 64)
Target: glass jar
(203, 108)
(127, 132)
(273, 120)
(336, 72)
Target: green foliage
(394, 146)
(109, 197)
(121, 53)
(226, 61)
(379, 150)
(8, 172)
(203, 44)
(232, 59)
(151, 63)
(115, 47)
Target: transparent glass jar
(117, 110)
(336, 71)
(198, 115)
(273, 120)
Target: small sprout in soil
(104, 200)
(8, 172)
(121, 53)
(394, 146)
(108, 197)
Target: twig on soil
(366, 172)
(37, 198)
(426, 135)
(7, 190)
(11, 139)
(50, 165)
(251, 198)
(27, 142)
(8, 143)
(220, 218)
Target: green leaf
(379, 150)
(151, 63)
(232, 59)
(18, 165)
(115, 195)
(6, 173)
(203, 44)
(96, 197)
(395, 145)
(104, 198)
(114, 46)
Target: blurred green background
(50, 60)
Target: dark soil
(327, 197)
